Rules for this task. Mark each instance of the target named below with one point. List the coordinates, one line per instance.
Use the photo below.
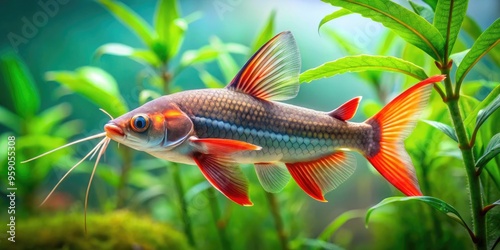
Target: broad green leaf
(117, 49)
(20, 84)
(445, 128)
(492, 150)
(266, 33)
(484, 43)
(10, 120)
(436, 203)
(410, 26)
(333, 15)
(489, 98)
(483, 114)
(363, 63)
(169, 27)
(448, 19)
(459, 57)
(431, 3)
(210, 81)
(226, 63)
(94, 84)
(131, 20)
(338, 222)
(422, 10)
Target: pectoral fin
(320, 176)
(224, 175)
(220, 146)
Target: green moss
(118, 230)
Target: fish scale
(286, 133)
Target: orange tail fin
(391, 126)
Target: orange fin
(225, 176)
(320, 176)
(273, 71)
(272, 176)
(391, 126)
(221, 146)
(347, 110)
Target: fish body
(218, 129)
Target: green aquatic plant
(116, 230)
(430, 32)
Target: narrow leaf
(130, 19)
(210, 81)
(266, 33)
(338, 222)
(444, 128)
(448, 19)
(410, 26)
(484, 43)
(485, 102)
(226, 63)
(431, 3)
(117, 49)
(363, 63)
(492, 150)
(20, 84)
(486, 112)
(94, 84)
(333, 15)
(459, 57)
(10, 120)
(436, 203)
(424, 11)
(169, 27)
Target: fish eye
(139, 123)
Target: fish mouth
(113, 130)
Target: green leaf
(483, 114)
(436, 203)
(363, 63)
(489, 98)
(147, 95)
(448, 19)
(118, 49)
(431, 3)
(424, 11)
(169, 27)
(445, 128)
(410, 26)
(484, 43)
(459, 57)
(210, 81)
(226, 63)
(10, 120)
(95, 84)
(492, 150)
(333, 15)
(133, 21)
(20, 84)
(338, 222)
(266, 33)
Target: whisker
(72, 168)
(105, 112)
(101, 152)
(67, 145)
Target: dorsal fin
(273, 71)
(347, 110)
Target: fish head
(155, 126)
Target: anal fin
(224, 175)
(322, 175)
(272, 176)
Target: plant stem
(127, 156)
(280, 230)
(219, 224)
(478, 219)
(188, 230)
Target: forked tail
(391, 126)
